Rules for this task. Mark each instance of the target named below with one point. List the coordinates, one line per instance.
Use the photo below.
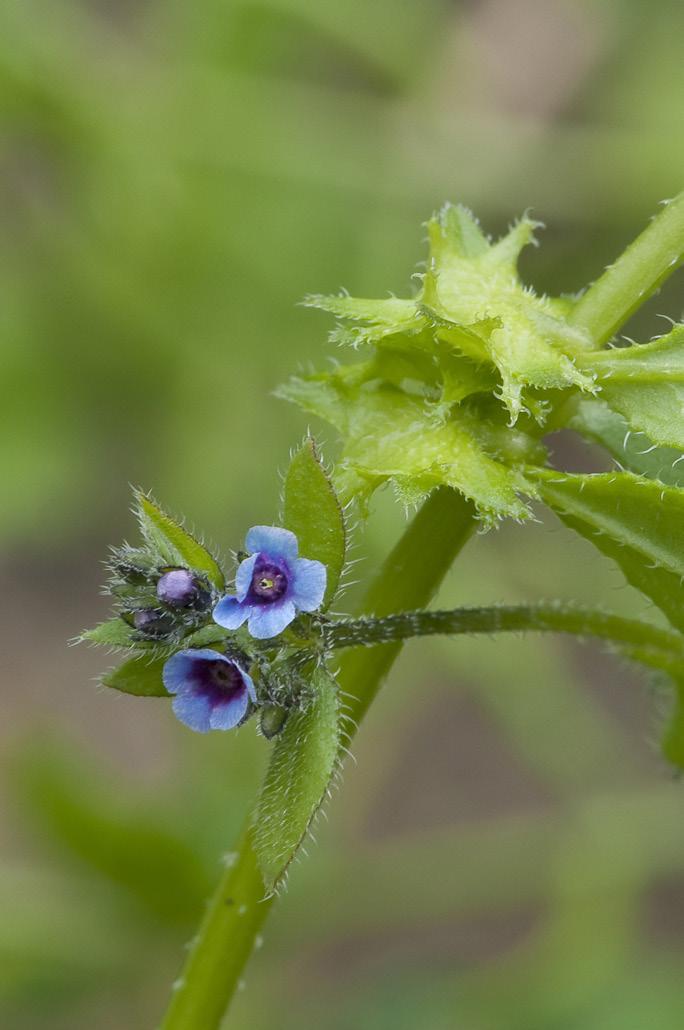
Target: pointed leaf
(473, 284)
(175, 545)
(139, 676)
(313, 513)
(645, 384)
(303, 761)
(112, 633)
(635, 521)
(391, 436)
(596, 421)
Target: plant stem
(409, 577)
(632, 634)
(635, 275)
(225, 940)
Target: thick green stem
(635, 276)
(409, 577)
(635, 636)
(223, 944)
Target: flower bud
(178, 588)
(273, 719)
(152, 622)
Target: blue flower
(212, 691)
(272, 585)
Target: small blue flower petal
(212, 691)
(309, 578)
(228, 714)
(273, 541)
(193, 711)
(229, 613)
(179, 671)
(269, 620)
(243, 576)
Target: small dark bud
(179, 589)
(152, 622)
(272, 720)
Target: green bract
(446, 375)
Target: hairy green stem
(634, 276)
(636, 636)
(409, 577)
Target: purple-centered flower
(272, 585)
(212, 691)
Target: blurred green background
(508, 854)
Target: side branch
(654, 646)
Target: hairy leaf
(596, 421)
(112, 633)
(174, 544)
(472, 304)
(645, 384)
(635, 521)
(390, 435)
(474, 285)
(312, 511)
(141, 676)
(303, 761)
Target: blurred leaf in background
(174, 177)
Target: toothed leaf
(391, 436)
(474, 285)
(173, 543)
(303, 760)
(313, 513)
(635, 521)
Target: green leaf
(174, 544)
(140, 676)
(375, 319)
(630, 448)
(303, 760)
(313, 513)
(635, 521)
(112, 633)
(645, 384)
(473, 285)
(392, 436)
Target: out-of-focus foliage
(174, 177)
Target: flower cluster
(272, 584)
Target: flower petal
(249, 683)
(270, 619)
(308, 584)
(229, 613)
(227, 714)
(243, 576)
(193, 711)
(273, 541)
(177, 673)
